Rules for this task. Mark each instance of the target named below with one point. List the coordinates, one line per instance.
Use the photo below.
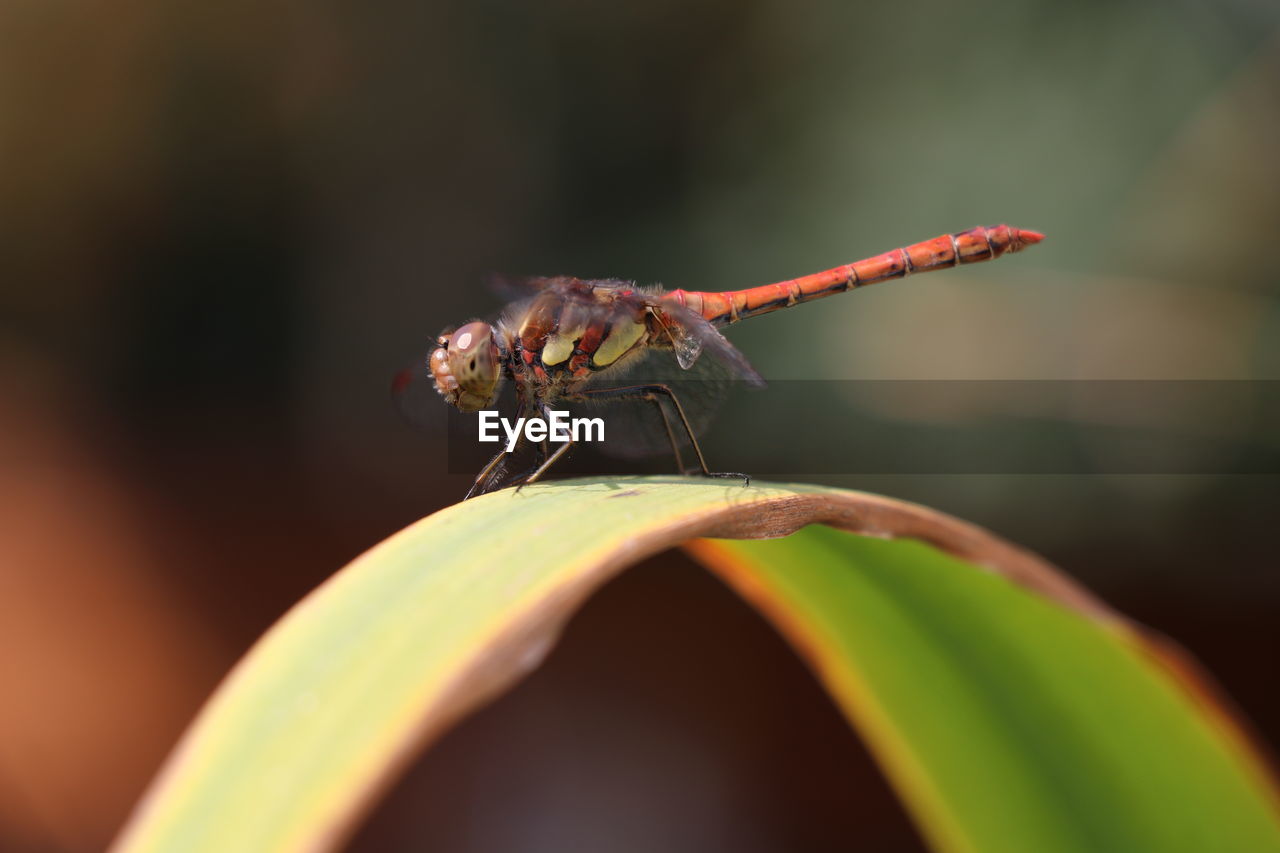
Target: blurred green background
(226, 226)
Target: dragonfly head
(466, 366)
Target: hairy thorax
(560, 338)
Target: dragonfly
(573, 341)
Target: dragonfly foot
(477, 489)
(728, 475)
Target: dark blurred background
(224, 227)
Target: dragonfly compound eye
(467, 370)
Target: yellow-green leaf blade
(1006, 722)
(355, 680)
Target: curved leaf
(1005, 722)
(350, 685)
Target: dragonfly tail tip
(1028, 237)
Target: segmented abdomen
(966, 247)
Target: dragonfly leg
(546, 457)
(484, 481)
(493, 474)
(671, 436)
(546, 463)
(653, 392)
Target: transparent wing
(414, 393)
(415, 399)
(515, 287)
(692, 336)
(636, 428)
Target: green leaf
(1011, 709)
(1005, 721)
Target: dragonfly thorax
(467, 366)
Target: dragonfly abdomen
(949, 250)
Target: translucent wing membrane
(517, 287)
(416, 400)
(638, 428)
(414, 393)
(693, 360)
(692, 335)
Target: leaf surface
(988, 684)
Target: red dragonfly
(572, 339)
